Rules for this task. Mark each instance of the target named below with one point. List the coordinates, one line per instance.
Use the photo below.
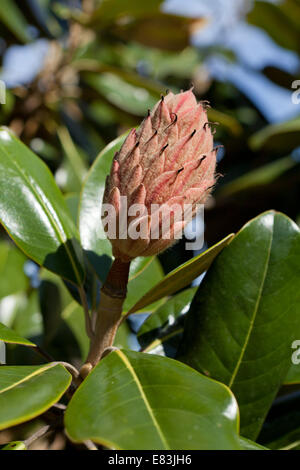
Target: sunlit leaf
(28, 391)
(246, 314)
(33, 210)
(135, 401)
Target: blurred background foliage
(80, 73)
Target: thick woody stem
(113, 294)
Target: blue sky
(253, 48)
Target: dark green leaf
(11, 16)
(121, 93)
(250, 445)
(140, 280)
(246, 314)
(160, 322)
(9, 336)
(50, 305)
(182, 276)
(283, 137)
(136, 401)
(28, 391)
(33, 210)
(15, 445)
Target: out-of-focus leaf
(27, 318)
(291, 9)
(164, 31)
(258, 177)
(73, 315)
(33, 210)
(140, 283)
(181, 276)
(229, 122)
(12, 276)
(278, 76)
(166, 345)
(136, 401)
(108, 12)
(158, 324)
(15, 445)
(50, 305)
(283, 137)
(246, 314)
(126, 96)
(28, 391)
(75, 159)
(269, 17)
(10, 336)
(11, 16)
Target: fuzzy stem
(113, 294)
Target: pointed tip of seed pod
(201, 160)
(163, 148)
(191, 87)
(149, 113)
(176, 117)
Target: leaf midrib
(260, 291)
(128, 365)
(28, 377)
(59, 236)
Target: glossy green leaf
(10, 336)
(293, 375)
(28, 391)
(33, 210)
(246, 314)
(160, 323)
(246, 444)
(11, 16)
(72, 201)
(182, 276)
(12, 276)
(150, 271)
(15, 445)
(136, 401)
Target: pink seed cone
(169, 160)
